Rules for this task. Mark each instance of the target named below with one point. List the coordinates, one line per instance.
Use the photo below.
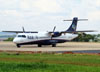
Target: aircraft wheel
(18, 46)
(39, 45)
(53, 45)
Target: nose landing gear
(18, 46)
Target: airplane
(48, 38)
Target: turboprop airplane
(47, 38)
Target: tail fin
(73, 26)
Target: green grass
(44, 67)
(49, 63)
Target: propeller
(23, 29)
(53, 31)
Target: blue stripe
(44, 42)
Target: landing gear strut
(39, 45)
(18, 45)
(53, 45)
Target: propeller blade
(53, 32)
(54, 28)
(23, 29)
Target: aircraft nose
(16, 40)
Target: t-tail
(73, 26)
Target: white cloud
(40, 5)
(98, 3)
(47, 5)
(95, 15)
(8, 4)
(25, 4)
(43, 12)
(10, 12)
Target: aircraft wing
(21, 31)
(78, 31)
(56, 34)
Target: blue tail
(73, 25)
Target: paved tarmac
(77, 47)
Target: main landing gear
(39, 45)
(18, 45)
(53, 45)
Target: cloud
(50, 6)
(98, 3)
(9, 13)
(48, 13)
(40, 5)
(95, 15)
(8, 4)
(24, 4)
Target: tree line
(87, 38)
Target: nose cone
(16, 40)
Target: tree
(84, 38)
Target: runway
(77, 47)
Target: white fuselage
(42, 37)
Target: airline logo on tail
(74, 27)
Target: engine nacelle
(56, 34)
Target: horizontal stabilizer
(77, 20)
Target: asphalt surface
(76, 47)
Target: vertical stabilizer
(73, 25)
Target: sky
(43, 15)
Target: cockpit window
(19, 35)
(23, 36)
